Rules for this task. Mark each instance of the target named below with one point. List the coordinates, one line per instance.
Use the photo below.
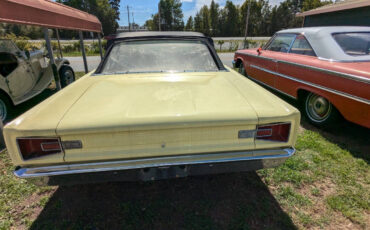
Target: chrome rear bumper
(263, 159)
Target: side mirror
(259, 51)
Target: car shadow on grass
(227, 201)
(349, 136)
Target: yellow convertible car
(160, 105)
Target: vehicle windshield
(159, 56)
(354, 43)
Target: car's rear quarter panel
(269, 109)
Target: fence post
(83, 51)
(51, 57)
(100, 48)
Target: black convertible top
(156, 34)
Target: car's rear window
(159, 56)
(354, 43)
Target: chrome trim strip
(251, 55)
(47, 150)
(359, 99)
(262, 83)
(155, 162)
(332, 72)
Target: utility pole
(246, 23)
(159, 15)
(128, 16)
(173, 20)
(133, 22)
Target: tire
(6, 107)
(241, 69)
(319, 111)
(67, 76)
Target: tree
(106, 11)
(32, 32)
(312, 4)
(254, 17)
(189, 24)
(171, 16)
(214, 18)
(115, 6)
(197, 22)
(230, 20)
(205, 20)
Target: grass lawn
(79, 74)
(326, 184)
(79, 54)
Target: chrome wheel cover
(318, 108)
(3, 110)
(68, 77)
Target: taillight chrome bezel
(48, 152)
(263, 137)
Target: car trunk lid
(134, 116)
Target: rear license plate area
(160, 173)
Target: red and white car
(326, 68)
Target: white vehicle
(24, 75)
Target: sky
(143, 9)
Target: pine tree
(189, 24)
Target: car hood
(134, 101)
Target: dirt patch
(30, 208)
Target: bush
(234, 45)
(68, 48)
(104, 44)
(54, 45)
(76, 46)
(20, 41)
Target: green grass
(321, 186)
(79, 74)
(13, 192)
(344, 179)
(79, 54)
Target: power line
(159, 16)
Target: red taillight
(273, 132)
(36, 147)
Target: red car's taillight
(273, 132)
(36, 147)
